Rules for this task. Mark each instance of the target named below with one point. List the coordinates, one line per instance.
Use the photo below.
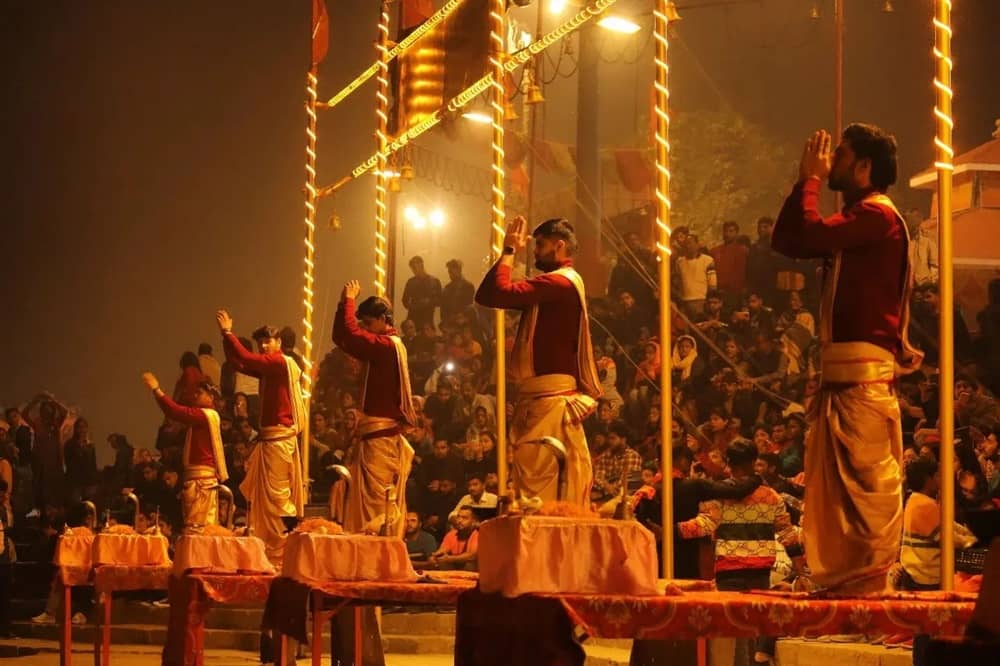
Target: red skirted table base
(106, 579)
(191, 596)
(537, 630)
(289, 602)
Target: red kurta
(275, 399)
(202, 451)
(872, 242)
(555, 344)
(731, 266)
(382, 390)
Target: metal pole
(838, 68)
(381, 137)
(498, 37)
(661, 94)
(309, 274)
(944, 166)
(838, 78)
(589, 190)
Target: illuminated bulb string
(662, 99)
(399, 48)
(942, 140)
(497, 36)
(310, 247)
(382, 123)
(514, 61)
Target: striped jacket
(746, 531)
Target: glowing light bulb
(436, 217)
(557, 6)
(619, 24)
(477, 117)
(411, 213)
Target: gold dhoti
(199, 498)
(853, 505)
(273, 486)
(380, 462)
(551, 406)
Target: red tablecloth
(537, 629)
(734, 614)
(118, 577)
(76, 576)
(288, 602)
(191, 596)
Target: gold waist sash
(370, 424)
(856, 363)
(272, 433)
(197, 472)
(541, 386)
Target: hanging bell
(395, 185)
(335, 223)
(814, 12)
(510, 111)
(535, 94)
(888, 7)
(672, 14)
(407, 172)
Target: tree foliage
(724, 167)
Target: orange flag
(415, 12)
(320, 31)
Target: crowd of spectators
(744, 368)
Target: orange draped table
(191, 596)
(536, 630)
(80, 558)
(289, 601)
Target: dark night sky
(153, 157)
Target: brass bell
(672, 13)
(335, 223)
(535, 94)
(395, 185)
(407, 172)
(888, 7)
(510, 111)
(814, 12)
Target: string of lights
(661, 94)
(381, 136)
(310, 222)
(944, 164)
(399, 48)
(474, 90)
(498, 209)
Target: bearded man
(552, 360)
(854, 510)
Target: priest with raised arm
(380, 464)
(203, 459)
(273, 483)
(552, 360)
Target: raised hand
(351, 290)
(224, 320)
(149, 379)
(816, 156)
(517, 233)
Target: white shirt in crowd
(696, 277)
(487, 501)
(210, 368)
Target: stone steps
(222, 639)
(249, 618)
